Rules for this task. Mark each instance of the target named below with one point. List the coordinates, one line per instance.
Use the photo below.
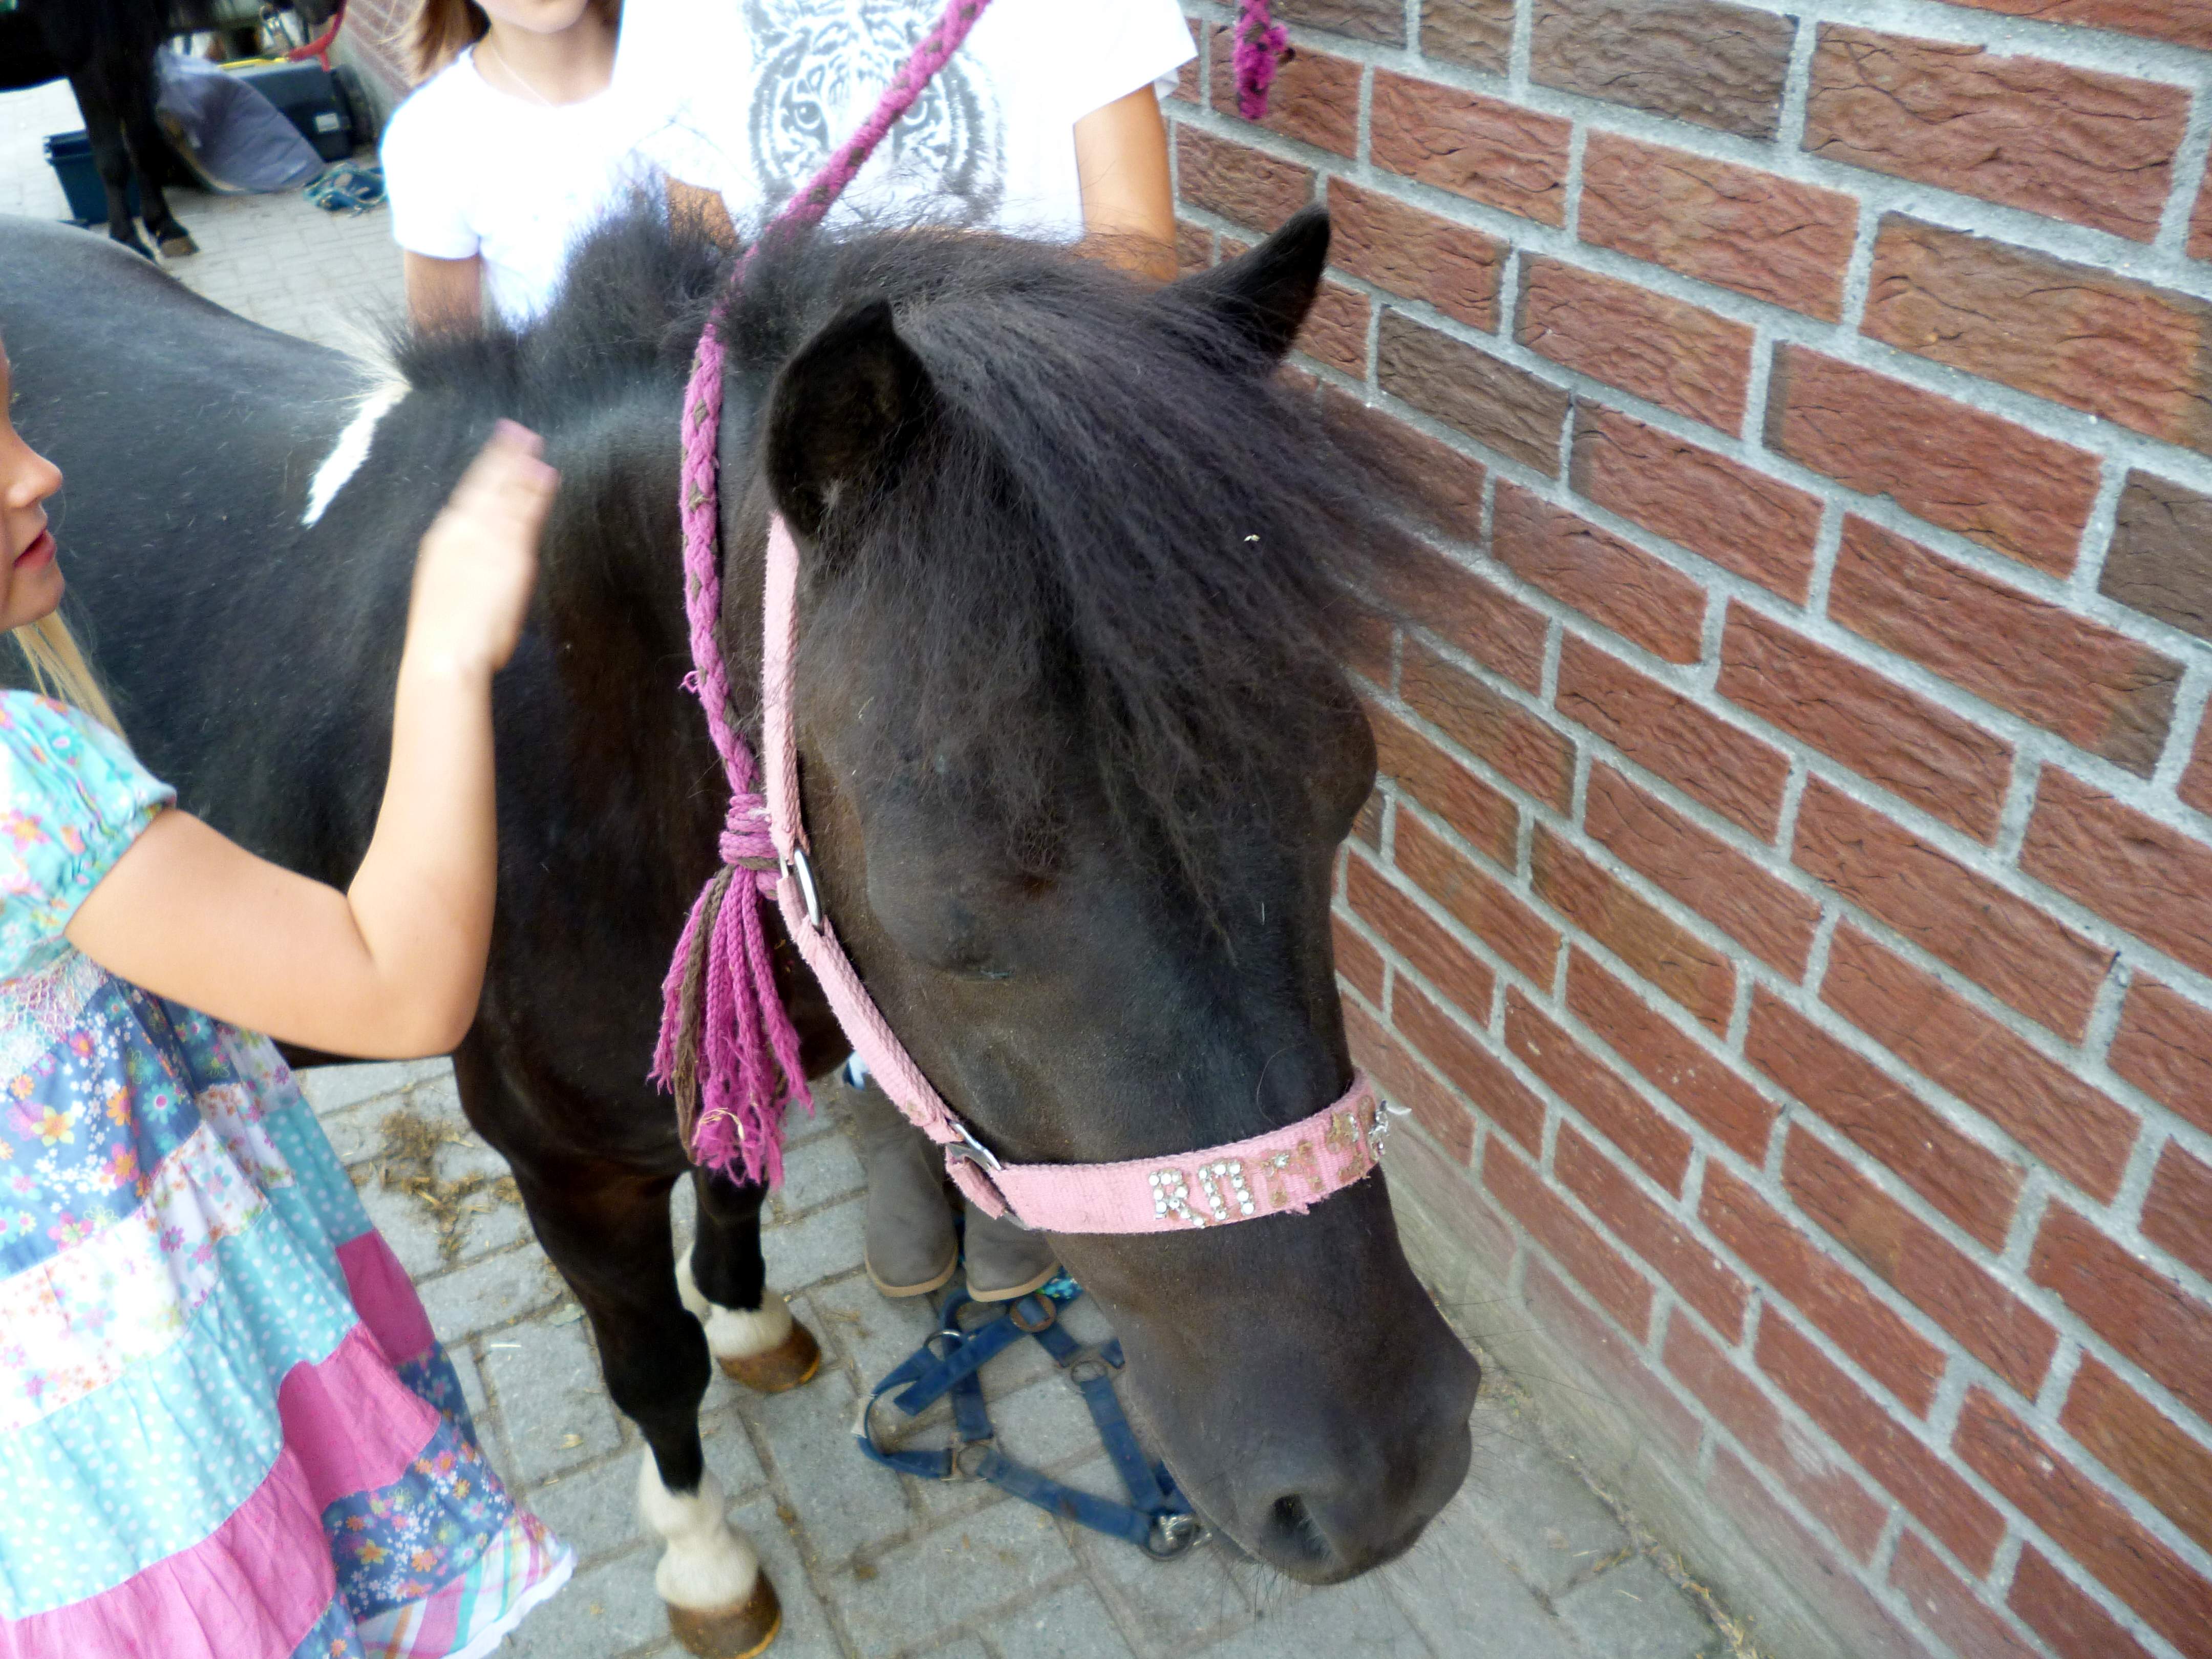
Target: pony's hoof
(176, 246)
(738, 1632)
(793, 1361)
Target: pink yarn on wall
(1260, 45)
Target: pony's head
(1077, 753)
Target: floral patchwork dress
(226, 1431)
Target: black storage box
(69, 155)
(311, 100)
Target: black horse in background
(1076, 755)
(105, 49)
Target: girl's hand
(478, 564)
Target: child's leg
(911, 1250)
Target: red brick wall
(1787, 906)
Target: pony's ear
(1266, 294)
(842, 415)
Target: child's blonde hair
(442, 27)
(59, 669)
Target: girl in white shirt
(515, 144)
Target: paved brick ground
(1525, 1564)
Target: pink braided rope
(748, 1065)
(1260, 44)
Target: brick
(1742, 521)
(1489, 151)
(1314, 98)
(1335, 331)
(2094, 1530)
(2194, 787)
(1974, 1186)
(2200, 220)
(1476, 33)
(1496, 730)
(1189, 85)
(1680, 964)
(1416, 254)
(1700, 1083)
(1915, 1261)
(1844, 1310)
(1457, 974)
(2177, 1211)
(2184, 22)
(2074, 1624)
(1720, 66)
(1514, 413)
(1862, 1624)
(1194, 247)
(1621, 1372)
(1380, 20)
(1485, 1080)
(2160, 559)
(1238, 182)
(1358, 962)
(1486, 818)
(2143, 1446)
(1947, 767)
(2022, 956)
(1822, 1483)
(1482, 619)
(2148, 1317)
(1738, 776)
(1761, 234)
(1973, 1629)
(1916, 1477)
(1773, 919)
(1573, 1243)
(2164, 1047)
(2072, 143)
(1657, 1147)
(2074, 1128)
(1640, 598)
(2152, 880)
(1991, 481)
(1406, 1080)
(2080, 334)
(1368, 826)
(1661, 1241)
(1452, 1201)
(1666, 351)
(1478, 902)
(2115, 700)
(1447, 484)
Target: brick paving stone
(966, 1569)
(405, 1223)
(824, 1169)
(334, 1088)
(815, 1248)
(1535, 1510)
(1454, 1584)
(843, 1503)
(594, 1509)
(607, 1609)
(491, 1292)
(548, 1391)
(1071, 1623)
(1632, 1612)
(806, 1631)
(1358, 1618)
(1163, 1606)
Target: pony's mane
(1122, 539)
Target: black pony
(106, 49)
(1076, 752)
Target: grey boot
(1006, 1259)
(911, 1250)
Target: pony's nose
(1335, 1519)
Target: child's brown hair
(443, 28)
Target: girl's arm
(392, 966)
(443, 293)
(1128, 205)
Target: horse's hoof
(177, 246)
(738, 1632)
(793, 1361)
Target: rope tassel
(1262, 43)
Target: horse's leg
(724, 1283)
(103, 127)
(149, 152)
(605, 1227)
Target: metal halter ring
(962, 1458)
(795, 865)
(1172, 1535)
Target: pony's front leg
(103, 126)
(724, 1283)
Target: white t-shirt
(473, 170)
(755, 95)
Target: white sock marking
(734, 1333)
(349, 452)
(709, 1565)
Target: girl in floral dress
(226, 1429)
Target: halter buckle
(794, 864)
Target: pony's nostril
(1292, 1528)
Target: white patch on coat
(708, 1566)
(734, 1333)
(349, 452)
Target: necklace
(514, 74)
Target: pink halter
(727, 1047)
